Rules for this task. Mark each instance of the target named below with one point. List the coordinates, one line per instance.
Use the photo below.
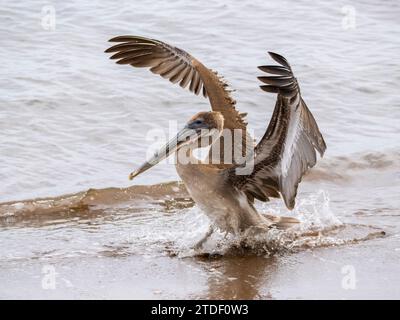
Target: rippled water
(71, 120)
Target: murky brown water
(70, 120)
(137, 242)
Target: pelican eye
(198, 122)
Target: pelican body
(225, 204)
(226, 190)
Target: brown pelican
(278, 161)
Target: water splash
(315, 213)
(160, 220)
(318, 227)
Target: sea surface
(73, 125)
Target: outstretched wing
(177, 65)
(287, 149)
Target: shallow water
(71, 120)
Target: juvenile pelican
(279, 160)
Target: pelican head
(202, 126)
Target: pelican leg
(200, 243)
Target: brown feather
(280, 162)
(167, 60)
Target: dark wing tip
(127, 38)
(280, 59)
(268, 88)
(290, 204)
(285, 83)
(119, 38)
(276, 81)
(111, 49)
(321, 146)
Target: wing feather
(178, 66)
(287, 149)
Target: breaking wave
(174, 194)
(163, 218)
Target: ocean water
(72, 120)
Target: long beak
(184, 137)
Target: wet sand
(314, 274)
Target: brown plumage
(177, 65)
(280, 159)
(287, 149)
